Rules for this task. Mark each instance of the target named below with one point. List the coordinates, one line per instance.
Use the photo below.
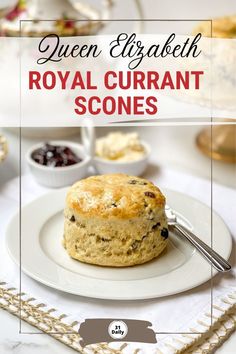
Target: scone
(115, 220)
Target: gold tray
(218, 142)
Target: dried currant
(133, 181)
(149, 194)
(105, 239)
(155, 226)
(164, 233)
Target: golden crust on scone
(114, 195)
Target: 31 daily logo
(98, 330)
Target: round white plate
(179, 268)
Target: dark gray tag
(99, 330)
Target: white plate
(178, 269)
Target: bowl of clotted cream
(121, 152)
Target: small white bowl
(55, 177)
(133, 168)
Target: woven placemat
(215, 336)
(56, 325)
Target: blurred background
(185, 148)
